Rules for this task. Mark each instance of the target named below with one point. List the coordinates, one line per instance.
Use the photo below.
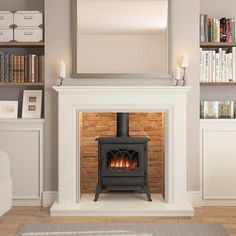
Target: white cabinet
(23, 141)
(218, 150)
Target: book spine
(227, 68)
(11, 68)
(212, 30)
(234, 64)
(217, 31)
(233, 29)
(227, 31)
(6, 67)
(217, 68)
(36, 69)
(230, 67)
(223, 78)
(209, 29)
(223, 29)
(201, 65)
(26, 78)
(202, 33)
(205, 28)
(1, 67)
(210, 66)
(30, 68)
(14, 69)
(204, 67)
(207, 66)
(230, 30)
(22, 68)
(220, 64)
(213, 66)
(42, 69)
(18, 70)
(33, 69)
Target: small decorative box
(28, 18)
(6, 34)
(28, 34)
(217, 109)
(6, 19)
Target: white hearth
(75, 99)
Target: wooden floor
(12, 221)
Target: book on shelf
(21, 68)
(217, 66)
(217, 30)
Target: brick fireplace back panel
(100, 124)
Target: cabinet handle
(28, 17)
(28, 33)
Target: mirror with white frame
(121, 38)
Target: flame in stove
(134, 163)
(122, 161)
(112, 163)
(127, 163)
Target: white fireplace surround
(75, 99)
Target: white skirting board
(27, 202)
(49, 197)
(195, 198)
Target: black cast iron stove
(122, 161)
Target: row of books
(217, 30)
(218, 65)
(21, 69)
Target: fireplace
(74, 100)
(122, 163)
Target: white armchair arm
(4, 165)
(5, 184)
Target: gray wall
(185, 37)
(22, 5)
(218, 8)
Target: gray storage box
(28, 18)
(6, 34)
(28, 34)
(6, 19)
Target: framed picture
(32, 104)
(8, 109)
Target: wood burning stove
(122, 163)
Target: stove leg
(98, 191)
(147, 191)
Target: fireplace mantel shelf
(122, 89)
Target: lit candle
(62, 71)
(184, 61)
(178, 73)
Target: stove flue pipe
(122, 124)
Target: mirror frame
(156, 75)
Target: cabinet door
(219, 164)
(22, 147)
